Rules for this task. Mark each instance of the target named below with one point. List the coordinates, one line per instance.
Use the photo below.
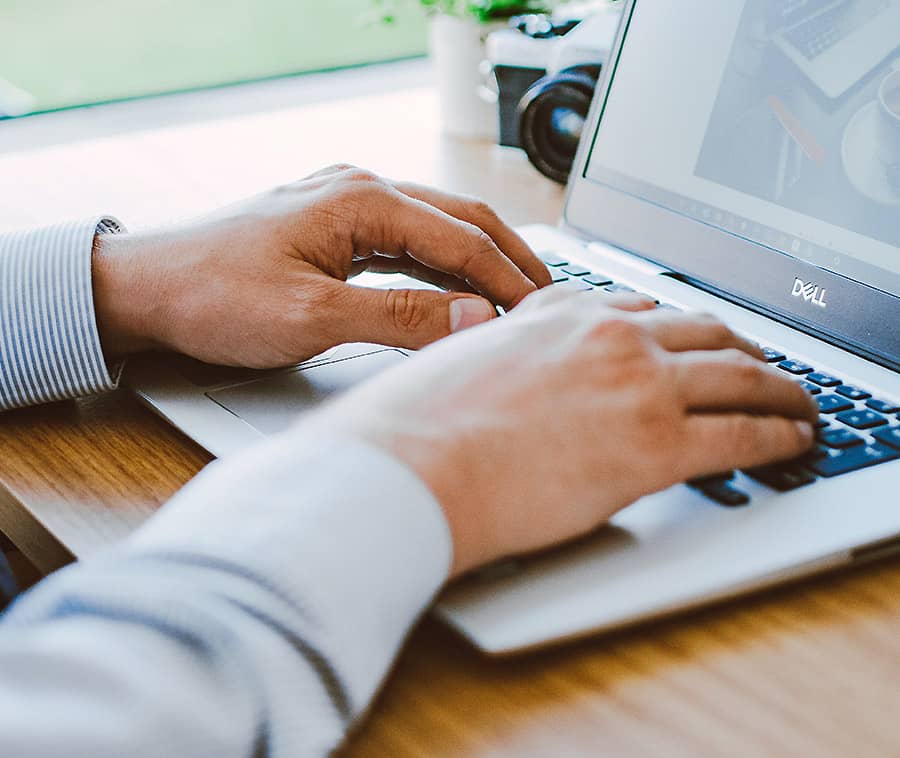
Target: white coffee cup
(888, 135)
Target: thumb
(410, 318)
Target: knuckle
(361, 175)
(406, 310)
(480, 245)
(341, 168)
(620, 330)
(482, 211)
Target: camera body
(546, 71)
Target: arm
(258, 613)
(221, 631)
(49, 340)
(261, 284)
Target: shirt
(255, 615)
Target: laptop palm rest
(273, 403)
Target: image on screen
(787, 129)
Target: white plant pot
(456, 47)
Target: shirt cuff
(337, 527)
(49, 341)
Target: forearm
(50, 347)
(259, 612)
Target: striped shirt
(49, 343)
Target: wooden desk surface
(810, 669)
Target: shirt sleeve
(256, 615)
(49, 343)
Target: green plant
(482, 10)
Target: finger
(484, 217)
(730, 380)
(409, 266)
(718, 443)
(394, 223)
(679, 332)
(407, 318)
(589, 301)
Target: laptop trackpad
(271, 404)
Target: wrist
(125, 295)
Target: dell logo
(809, 292)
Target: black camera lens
(552, 115)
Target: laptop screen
(777, 121)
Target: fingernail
(806, 431)
(466, 312)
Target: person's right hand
(538, 427)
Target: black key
(854, 393)
(795, 367)
(841, 438)
(862, 419)
(822, 423)
(782, 477)
(721, 490)
(598, 280)
(616, 287)
(854, 459)
(811, 388)
(883, 406)
(889, 436)
(773, 355)
(823, 380)
(815, 454)
(552, 259)
(833, 404)
(576, 270)
(557, 275)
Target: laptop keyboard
(823, 31)
(856, 428)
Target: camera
(546, 71)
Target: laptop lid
(711, 152)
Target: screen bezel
(859, 317)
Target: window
(64, 53)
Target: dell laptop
(713, 175)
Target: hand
(263, 284)
(538, 428)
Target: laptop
(671, 195)
(836, 42)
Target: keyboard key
(552, 259)
(854, 459)
(833, 404)
(576, 270)
(889, 436)
(822, 423)
(853, 393)
(862, 419)
(795, 367)
(823, 380)
(812, 389)
(617, 287)
(883, 406)
(556, 275)
(598, 280)
(721, 490)
(782, 477)
(841, 438)
(575, 285)
(773, 355)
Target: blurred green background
(73, 52)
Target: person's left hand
(264, 283)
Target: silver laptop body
(713, 177)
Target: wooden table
(808, 670)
